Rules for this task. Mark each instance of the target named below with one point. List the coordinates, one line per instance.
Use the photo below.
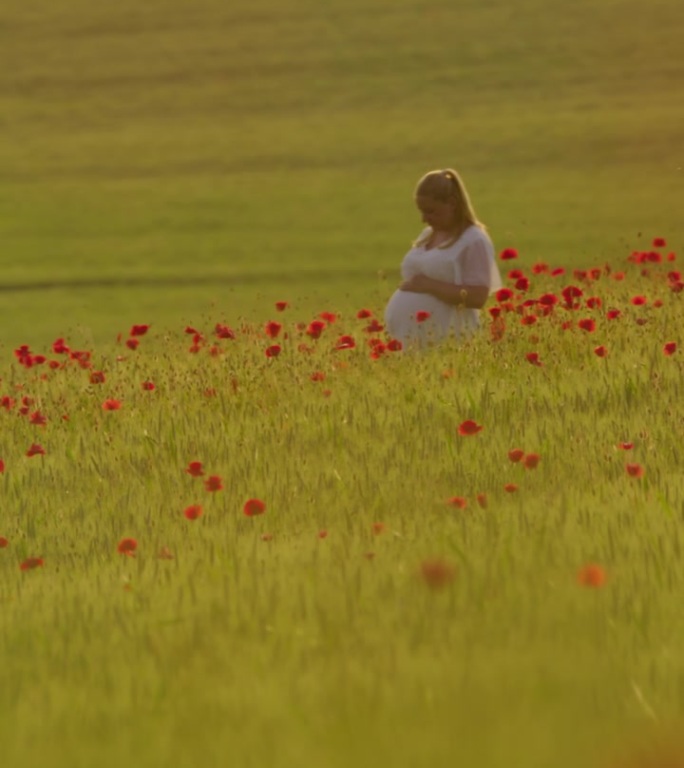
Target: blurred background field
(171, 160)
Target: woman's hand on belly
(417, 284)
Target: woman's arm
(473, 296)
(477, 276)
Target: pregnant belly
(400, 313)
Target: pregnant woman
(450, 270)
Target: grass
(307, 635)
(185, 164)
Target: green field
(183, 164)
(218, 157)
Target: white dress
(468, 261)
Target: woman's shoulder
(474, 233)
(423, 237)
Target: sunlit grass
(318, 623)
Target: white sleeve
(478, 265)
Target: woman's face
(436, 214)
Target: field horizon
(228, 143)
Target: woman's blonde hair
(446, 186)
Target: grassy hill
(165, 160)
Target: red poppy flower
(626, 446)
(127, 547)
(522, 284)
(35, 450)
(659, 242)
(635, 470)
(267, 537)
(222, 332)
(317, 376)
(3, 542)
(132, 343)
(2, 466)
(510, 487)
(273, 351)
(378, 528)
(59, 347)
(638, 301)
(111, 405)
(587, 324)
(97, 377)
(193, 511)
(139, 330)
(272, 329)
(32, 562)
(533, 358)
(254, 507)
(503, 294)
(323, 534)
(363, 314)
(469, 427)
(670, 348)
(281, 306)
(194, 469)
(37, 418)
(516, 454)
(558, 271)
(148, 386)
(345, 342)
(600, 351)
(548, 299)
(458, 501)
(508, 253)
(394, 345)
(482, 500)
(7, 402)
(329, 317)
(594, 302)
(315, 329)
(422, 315)
(658, 303)
(375, 326)
(213, 483)
(528, 320)
(192, 331)
(591, 575)
(437, 573)
(531, 461)
(613, 314)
